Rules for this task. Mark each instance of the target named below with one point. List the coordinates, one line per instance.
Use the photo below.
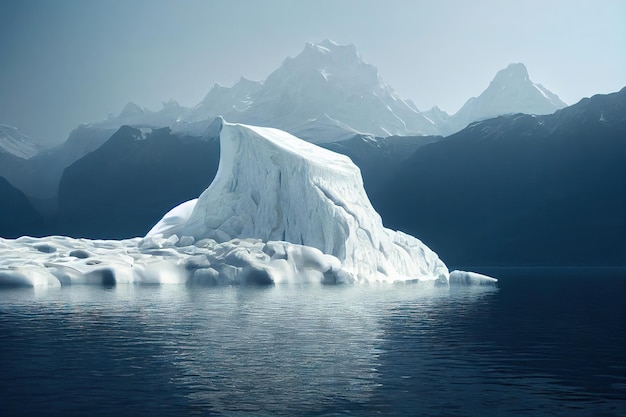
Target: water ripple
(401, 350)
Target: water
(542, 343)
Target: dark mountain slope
(125, 186)
(520, 189)
(377, 157)
(17, 216)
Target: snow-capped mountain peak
(515, 72)
(329, 91)
(131, 109)
(328, 81)
(324, 90)
(332, 51)
(222, 100)
(172, 104)
(335, 63)
(510, 91)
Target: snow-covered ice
(279, 210)
(470, 278)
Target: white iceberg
(273, 186)
(279, 210)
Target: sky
(67, 62)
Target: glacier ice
(279, 210)
(302, 194)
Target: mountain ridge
(520, 189)
(510, 91)
(332, 84)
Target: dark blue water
(542, 343)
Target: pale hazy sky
(67, 62)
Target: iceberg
(273, 186)
(279, 210)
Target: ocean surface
(540, 343)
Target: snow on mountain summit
(332, 62)
(333, 80)
(134, 115)
(326, 81)
(17, 143)
(225, 100)
(328, 92)
(510, 91)
(514, 80)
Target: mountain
(326, 82)
(39, 176)
(325, 93)
(225, 100)
(91, 186)
(17, 216)
(16, 143)
(121, 189)
(12, 167)
(328, 93)
(279, 210)
(135, 115)
(511, 91)
(377, 157)
(520, 189)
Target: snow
(17, 143)
(280, 210)
(510, 92)
(329, 93)
(157, 260)
(541, 91)
(302, 194)
(325, 82)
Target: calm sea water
(541, 343)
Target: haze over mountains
(502, 181)
(328, 92)
(511, 91)
(520, 189)
(14, 142)
(325, 94)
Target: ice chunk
(470, 278)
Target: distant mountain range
(515, 189)
(328, 93)
(325, 94)
(14, 142)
